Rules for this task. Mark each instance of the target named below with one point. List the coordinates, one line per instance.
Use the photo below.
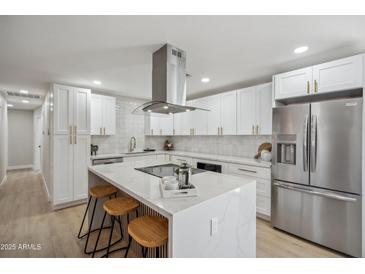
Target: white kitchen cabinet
(338, 75)
(262, 176)
(291, 84)
(200, 117)
(103, 115)
(71, 144)
(183, 122)
(228, 113)
(343, 74)
(159, 124)
(213, 103)
(254, 110)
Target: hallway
(27, 218)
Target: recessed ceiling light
(205, 80)
(301, 49)
(10, 105)
(165, 107)
(24, 91)
(187, 110)
(25, 101)
(149, 110)
(170, 113)
(97, 82)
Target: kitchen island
(219, 222)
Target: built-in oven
(209, 167)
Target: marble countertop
(145, 187)
(206, 156)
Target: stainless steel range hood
(168, 83)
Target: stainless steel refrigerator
(317, 172)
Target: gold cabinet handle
(315, 86)
(253, 129)
(101, 131)
(75, 133)
(308, 87)
(257, 129)
(104, 132)
(71, 135)
(221, 130)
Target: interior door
(335, 158)
(229, 113)
(290, 161)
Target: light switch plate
(213, 226)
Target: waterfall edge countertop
(145, 187)
(198, 155)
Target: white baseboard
(20, 167)
(4, 179)
(70, 204)
(46, 187)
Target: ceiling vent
(23, 95)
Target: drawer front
(247, 170)
(263, 205)
(263, 187)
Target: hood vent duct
(168, 83)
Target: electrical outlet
(213, 226)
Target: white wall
(3, 138)
(37, 138)
(46, 146)
(20, 138)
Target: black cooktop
(165, 170)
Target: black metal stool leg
(120, 227)
(83, 219)
(97, 239)
(110, 236)
(157, 252)
(129, 245)
(90, 225)
(144, 252)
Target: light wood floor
(27, 218)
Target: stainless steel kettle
(184, 175)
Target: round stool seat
(120, 206)
(102, 191)
(149, 231)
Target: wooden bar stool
(116, 208)
(149, 232)
(96, 192)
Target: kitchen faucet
(132, 143)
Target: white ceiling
(234, 51)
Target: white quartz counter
(212, 157)
(145, 187)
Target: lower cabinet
(180, 159)
(262, 176)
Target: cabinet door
(200, 117)
(229, 113)
(214, 115)
(63, 169)
(109, 113)
(155, 125)
(338, 75)
(246, 111)
(63, 109)
(264, 109)
(293, 84)
(167, 124)
(81, 158)
(96, 115)
(81, 116)
(183, 122)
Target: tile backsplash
(241, 146)
(128, 125)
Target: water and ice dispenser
(286, 153)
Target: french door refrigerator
(317, 172)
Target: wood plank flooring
(27, 218)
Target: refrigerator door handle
(313, 192)
(305, 144)
(313, 147)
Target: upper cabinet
(103, 112)
(228, 115)
(339, 75)
(159, 125)
(254, 111)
